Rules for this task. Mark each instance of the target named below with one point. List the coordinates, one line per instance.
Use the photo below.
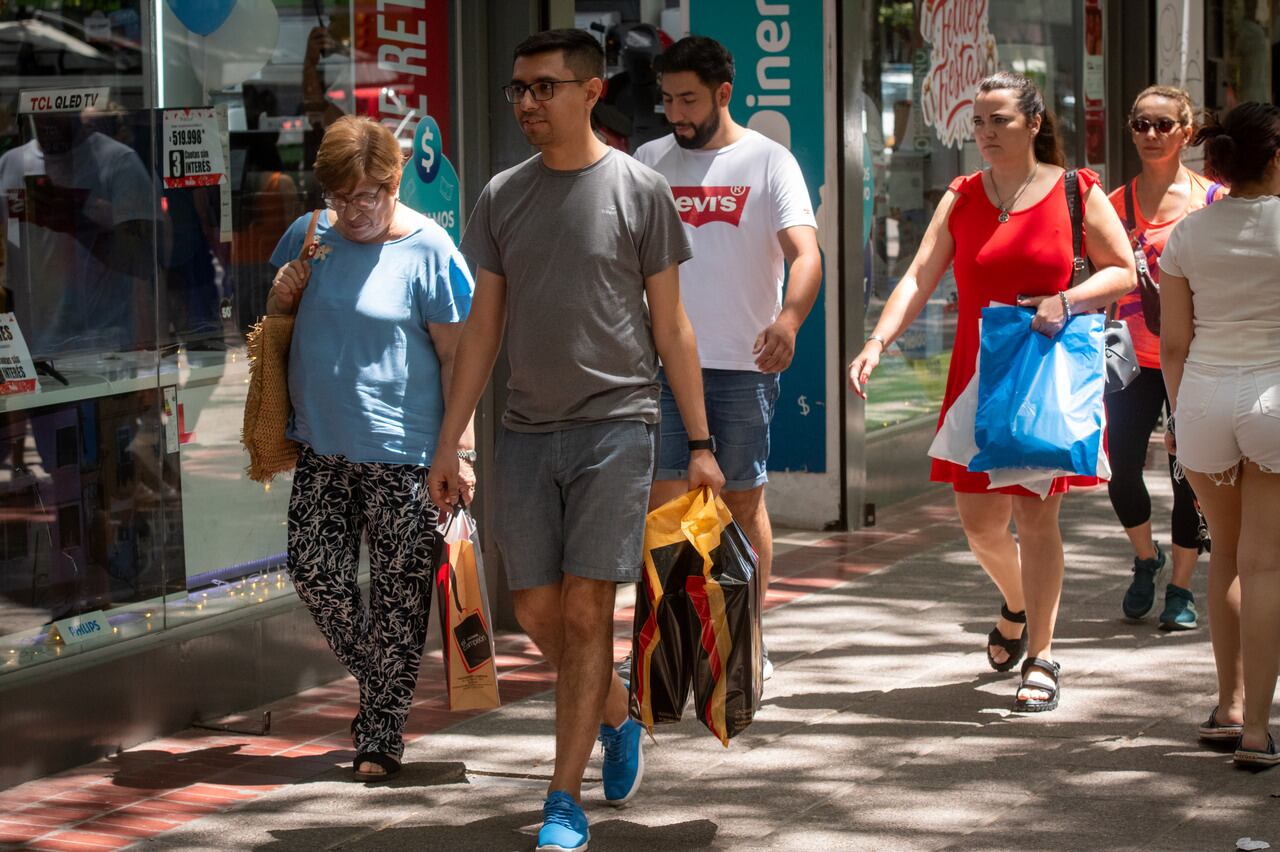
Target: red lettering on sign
(408, 43)
(698, 205)
(963, 51)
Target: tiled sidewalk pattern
(160, 785)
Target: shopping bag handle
(458, 509)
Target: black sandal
(1035, 705)
(388, 763)
(1015, 648)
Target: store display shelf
(98, 375)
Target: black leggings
(1132, 415)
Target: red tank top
(1029, 255)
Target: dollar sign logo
(804, 406)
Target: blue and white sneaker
(1179, 609)
(623, 762)
(564, 825)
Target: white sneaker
(766, 667)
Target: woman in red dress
(1007, 229)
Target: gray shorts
(573, 502)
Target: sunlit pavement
(883, 728)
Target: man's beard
(702, 133)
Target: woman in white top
(1220, 348)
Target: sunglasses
(1164, 126)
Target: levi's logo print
(699, 205)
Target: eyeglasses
(543, 90)
(364, 202)
(1164, 126)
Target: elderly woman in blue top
(380, 297)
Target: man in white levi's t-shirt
(747, 213)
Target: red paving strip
(159, 785)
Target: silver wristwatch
(468, 456)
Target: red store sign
(408, 43)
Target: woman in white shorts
(1220, 347)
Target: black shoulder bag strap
(1079, 270)
(1130, 217)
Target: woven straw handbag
(266, 406)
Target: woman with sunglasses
(380, 294)
(1161, 125)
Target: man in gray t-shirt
(575, 247)
(576, 253)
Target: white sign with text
(193, 149)
(17, 371)
(962, 52)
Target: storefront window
(917, 140)
(152, 153)
(1243, 52)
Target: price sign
(193, 150)
(17, 372)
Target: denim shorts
(1226, 414)
(740, 406)
(573, 502)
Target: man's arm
(678, 349)
(444, 339)
(477, 349)
(776, 345)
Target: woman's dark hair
(1239, 148)
(582, 52)
(1048, 147)
(710, 60)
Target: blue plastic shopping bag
(1039, 398)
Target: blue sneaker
(623, 762)
(564, 825)
(1140, 597)
(1179, 609)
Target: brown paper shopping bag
(466, 631)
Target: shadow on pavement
(505, 833)
(162, 770)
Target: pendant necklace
(1005, 208)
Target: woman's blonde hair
(1186, 110)
(356, 148)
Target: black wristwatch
(704, 444)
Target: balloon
(239, 48)
(202, 16)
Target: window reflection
(1243, 52)
(122, 495)
(907, 169)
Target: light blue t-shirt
(364, 378)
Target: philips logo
(79, 628)
(85, 628)
(698, 205)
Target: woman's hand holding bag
(267, 408)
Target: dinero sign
(782, 54)
(963, 51)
